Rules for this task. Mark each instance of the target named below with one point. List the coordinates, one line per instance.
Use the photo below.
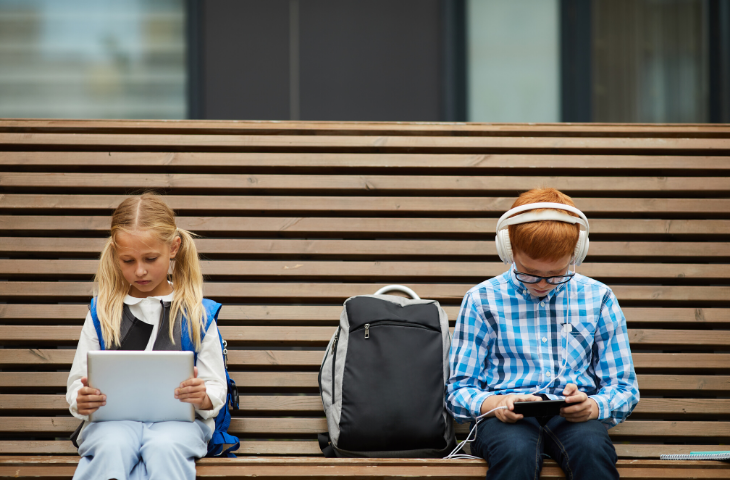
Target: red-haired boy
(541, 331)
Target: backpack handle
(398, 288)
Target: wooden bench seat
(297, 216)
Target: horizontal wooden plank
(255, 203)
(205, 161)
(340, 226)
(369, 183)
(680, 384)
(309, 425)
(305, 335)
(361, 469)
(361, 128)
(336, 292)
(337, 270)
(379, 143)
(300, 314)
(299, 358)
(280, 404)
(354, 248)
(313, 358)
(311, 447)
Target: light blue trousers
(138, 451)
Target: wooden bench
(296, 217)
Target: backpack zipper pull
(334, 343)
(367, 330)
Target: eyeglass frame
(540, 278)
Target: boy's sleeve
(613, 365)
(212, 370)
(468, 353)
(88, 341)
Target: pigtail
(111, 287)
(187, 281)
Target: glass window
(513, 60)
(650, 61)
(92, 59)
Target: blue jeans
(514, 450)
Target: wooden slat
(380, 248)
(369, 183)
(363, 128)
(343, 270)
(380, 143)
(228, 203)
(64, 334)
(337, 292)
(299, 358)
(696, 384)
(285, 467)
(338, 269)
(322, 313)
(307, 425)
(351, 161)
(301, 225)
(278, 404)
(311, 447)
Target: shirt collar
(130, 300)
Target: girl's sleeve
(88, 341)
(212, 370)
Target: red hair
(546, 240)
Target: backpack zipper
(368, 326)
(334, 358)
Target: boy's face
(144, 262)
(541, 268)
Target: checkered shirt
(507, 341)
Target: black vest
(135, 334)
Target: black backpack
(383, 378)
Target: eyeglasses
(553, 280)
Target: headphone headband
(504, 248)
(507, 219)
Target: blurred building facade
(367, 60)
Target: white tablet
(140, 385)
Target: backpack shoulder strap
(211, 314)
(97, 324)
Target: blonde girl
(149, 277)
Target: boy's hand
(193, 391)
(507, 415)
(88, 400)
(583, 408)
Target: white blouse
(210, 358)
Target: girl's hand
(88, 400)
(193, 391)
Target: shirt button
(542, 304)
(548, 374)
(544, 339)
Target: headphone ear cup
(504, 247)
(581, 248)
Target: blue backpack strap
(97, 324)
(220, 437)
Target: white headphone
(504, 248)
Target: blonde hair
(149, 213)
(549, 240)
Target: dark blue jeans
(514, 450)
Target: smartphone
(542, 408)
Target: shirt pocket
(579, 349)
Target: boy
(541, 331)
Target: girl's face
(144, 262)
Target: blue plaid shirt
(507, 341)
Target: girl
(138, 308)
